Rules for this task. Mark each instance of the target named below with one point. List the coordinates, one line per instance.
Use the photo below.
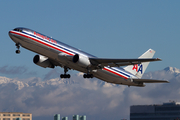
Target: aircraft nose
(11, 35)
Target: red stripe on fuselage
(41, 42)
(61, 50)
(115, 73)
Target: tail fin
(139, 69)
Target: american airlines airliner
(53, 53)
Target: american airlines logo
(138, 68)
(45, 37)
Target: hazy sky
(104, 28)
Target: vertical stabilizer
(139, 69)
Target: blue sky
(109, 29)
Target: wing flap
(150, 81)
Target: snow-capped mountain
(84, 96)
(172, 70)
(33, 82)
(169, 73)
(166, 74)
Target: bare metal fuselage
(30, 41)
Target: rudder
(139, 69)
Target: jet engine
(42, 61)
(81, 60)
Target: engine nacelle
(81, 60)
(42, 61)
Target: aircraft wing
(150, 81)
(120, 62)
(102, 62)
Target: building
(64, 118)
(82, 117)
(165, 111)
(15, 116)
(57, 117)
(75, 117)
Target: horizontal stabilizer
(150, 81)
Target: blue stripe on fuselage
(74, 51)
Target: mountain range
(169, 73)
(91, 97)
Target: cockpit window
(17, 29)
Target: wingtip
(167, 81)
(159, 59)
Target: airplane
(51, 53)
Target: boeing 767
(55, 53)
